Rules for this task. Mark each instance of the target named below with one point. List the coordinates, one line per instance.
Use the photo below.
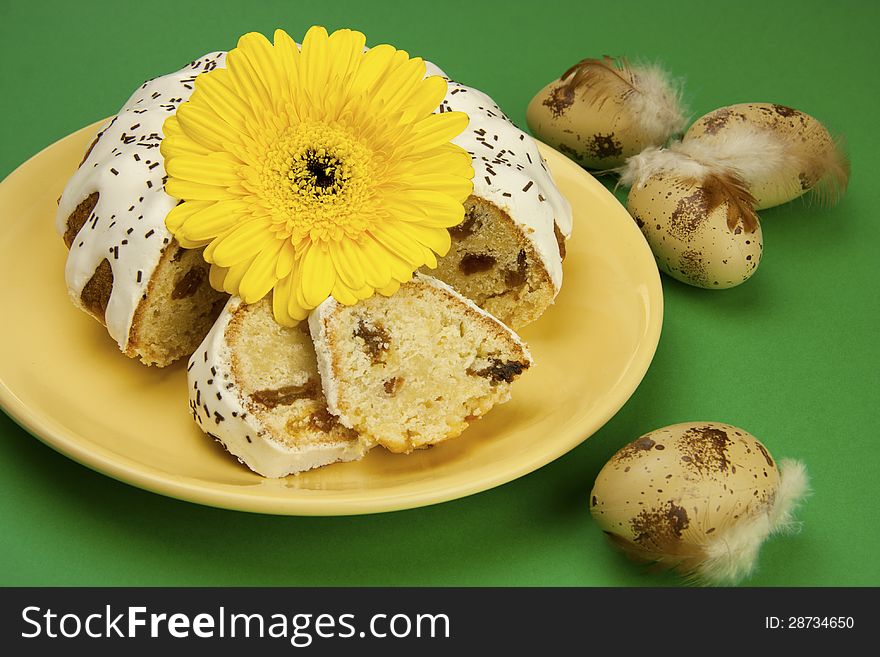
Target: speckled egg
(601, 111)
(699, 234)
(675, 487)
(803, 154)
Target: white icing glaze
(127, 227)
(220, 410)
(510, 172)
(318, 328)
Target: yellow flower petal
(318, 275)
(401, 270)
(217, 91)
(253, 82)
(190, 191)
(457, 162)
(373, 65)
(295, 301)
(286, 258)
(456, 187)
(171, 128)
(436, 239)
(430, 259)
(314, 61)
(216, 276)
(281, 304)
(213, 220)
(347, 48)
(187, 243)
(241, 243)
(265, 68)
(287, 53)
(181, 213)
(374, 262)
(362, 293)
(399, 245)
(344, 295)
(234, 275)
(406, 210)
(181, 145)
(425, 98)
(347, 265)
(391, 288)
(436, 129)
(441, 209)
(399, 83)
(202, 125)
(300, 313)
(215, 169)
(260, 276)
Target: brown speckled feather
(604, 77)
(730, 188)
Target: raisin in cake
(413, 369)
(124, 268)
(507, 253)
(255, 388)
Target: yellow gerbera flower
(315, 171)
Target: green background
(791, 356)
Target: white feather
(658, 104)
(733, 555)
(654, 161)
(751, 153)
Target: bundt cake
(413, 369)
(405, 372)
(124, 267)
(254, 387)
(126, 270)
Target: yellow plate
(64, 380)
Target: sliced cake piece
(255, 388)
(124, 268)
(507, 253)
(494, 263)
(413, 369)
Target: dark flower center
(324, 170)
(318, 173)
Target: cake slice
(254, 387)
(123, 267)
(493, 262)
(411, 370)
(507, 253)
